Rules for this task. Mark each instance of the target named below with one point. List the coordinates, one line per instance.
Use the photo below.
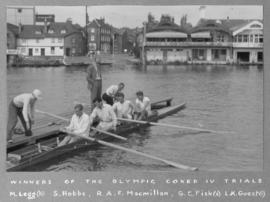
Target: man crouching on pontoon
(79, 126)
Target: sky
(134, 16)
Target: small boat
(44, 147)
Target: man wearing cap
(22, 106)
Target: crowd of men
(105, 109)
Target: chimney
(202, 12)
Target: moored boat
(45, 148)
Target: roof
(30, 31)
(210, 24)
(163, 26)
(13, 28)
(166, 34)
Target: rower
(109, 95)
(123, 108)
(79, 125)
(105, 114)
(22, 106)
(142, 106)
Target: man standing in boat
(94, 80)
(142, 106)
(79, 126)
(22, 106)
(110, 93)
(123, 108)
(105, 115)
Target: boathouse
(211, 42)
(247, 40)
(164, 43)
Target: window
(23, 50)
(92, 38)
(245, 38)
(37, 32)
(36, 50)
(255, 26)
(261, 38)
(92, 30)
(53, 40)
(51, 31)
(52, 50)
(251, 38)
(23, 41)
(239, 38)
(59, 40)
(220, 38)
(73, 50)
(63, 31)
(73, 40)
(256, 38)
(37, 40)
(61, 47)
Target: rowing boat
(45, 148)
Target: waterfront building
(12, 34)
(164, 42)
(99, 36)
(54, 39)
(247, 40)
(211, 42)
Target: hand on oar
(174, 126)
(177, 165)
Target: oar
(65, 119)
(173, 126)
(109, 133)
(174, 164)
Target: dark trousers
(13, 114)
(108, 99)
(95, 91)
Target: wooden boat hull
(32, 156)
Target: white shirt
(25, 101)
(112, 90)
(122, 108)
(144, 104)
(105, 114)
(80, 125)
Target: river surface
(222, 98)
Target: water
(223, 98)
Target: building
(247, 40)
(211, 41)
(99, 36)
(12, 34)
(51, 39)
(164, 43)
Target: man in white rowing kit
(123, 108)
(105, 114)
(22, 106)
(79, 126)
(110, 93)
(142, 106)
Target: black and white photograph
(109, 88)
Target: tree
(151, 18)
